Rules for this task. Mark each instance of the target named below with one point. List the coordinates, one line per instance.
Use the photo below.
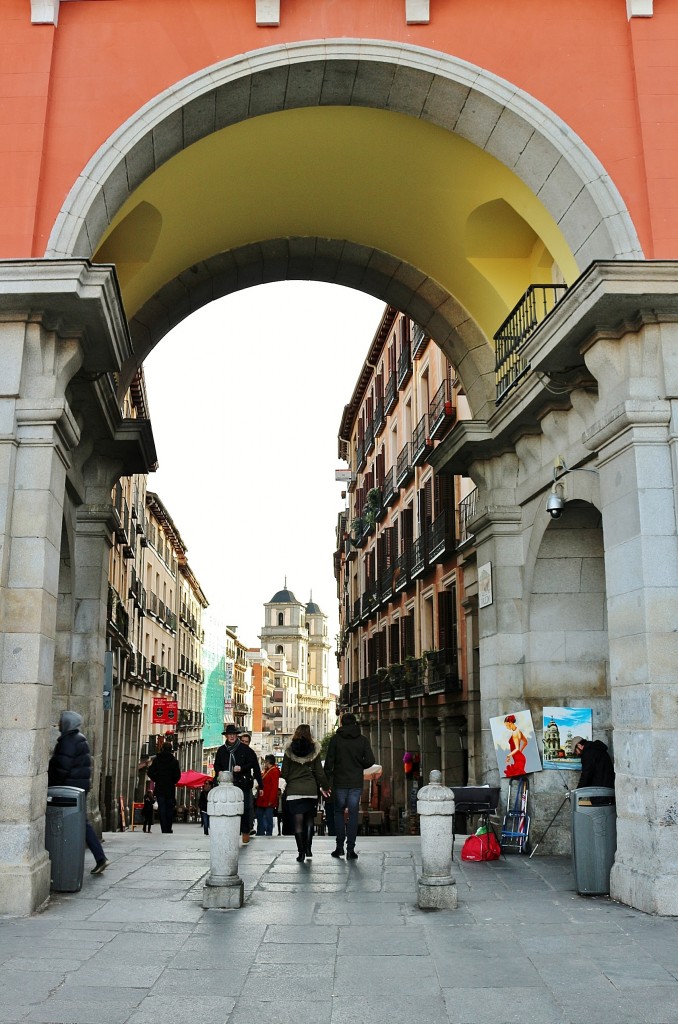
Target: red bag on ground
(481, 847)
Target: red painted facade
(64, 89)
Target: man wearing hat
(596, 764)
(237, 758)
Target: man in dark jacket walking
(165, 773)
(348, 755)
(596, 764)
(71, 765)
(239, 759)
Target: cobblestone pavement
(333, 943)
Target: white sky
(246, 398)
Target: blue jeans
(346, 798)
(205, 818)
(93, 844)
(265, 821)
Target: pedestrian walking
(305, 780)
(71, 765)
(267, 797)
(148, 809)
(250, 796)
(165, 773)
(237, 758)
(348, 755)
(202, 805)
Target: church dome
(312, 608)
(284, 597)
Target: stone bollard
(435, 804)
(224, 887)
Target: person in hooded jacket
(71, 765)
(165, 772)
(348, 755)
(304, 778)
(596, 764)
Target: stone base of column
(437, 895)
(652, 894)
(226, 894)
(25, 888)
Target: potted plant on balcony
(373, 505)
(357, 527)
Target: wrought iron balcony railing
(404, 366)
(509, 340)
(422, 445)
(440, 537)
(417, 557)
(419, 340)
(441, 411)
(389, 489)
(379, 417)
(404, 468)
(390, 394)
(467, 510)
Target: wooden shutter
(447, 620)
(394, 643)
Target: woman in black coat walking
(305, 778)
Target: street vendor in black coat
(165, 772)
(239, 759)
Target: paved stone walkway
(331, 942)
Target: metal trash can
(594, 838)
(65, 836)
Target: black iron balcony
(386, 586)
(389, 489)
(404, 469)
(398, 681)
(361, 455)
(401, 572)
(354, 694)
(467, 511)
(345, 692)
(422, 446)
(374, 689)
(356, 610)
(404, 366)
(440, 537)
(417, 558)
(379, 417)
(364, 692)
(419, 340)
(414, 673)
(442, 671)
(390, 394)
(369, 438)
(509, 341)
(441, 412)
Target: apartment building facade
(401, 647)
(153, 642)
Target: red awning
(193, 780)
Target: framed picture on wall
(515, 744)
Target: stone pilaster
(38, 431)
(636, 441)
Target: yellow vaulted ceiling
(384, 180)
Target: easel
(515, 830)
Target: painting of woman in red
(515, 759)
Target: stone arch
(437, 88)
(444, 90)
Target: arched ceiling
(354, 180)
(382, 180)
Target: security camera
(555, 506)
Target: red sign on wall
(165, 711)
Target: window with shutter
(394, 643)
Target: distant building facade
(294, 637)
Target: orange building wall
(64, 90)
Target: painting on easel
(560, 725)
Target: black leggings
(302, 821)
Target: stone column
(636, 438)
(38, 430)
(437, 889)
(224, 888)
(93, 529)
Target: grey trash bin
(65, 836)
(594, 838)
